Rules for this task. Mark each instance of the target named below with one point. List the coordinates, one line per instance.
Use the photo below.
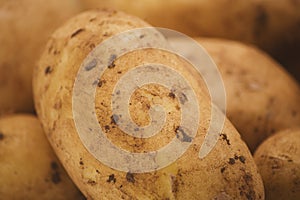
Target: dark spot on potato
(92, 46)
(130, 177)
(111, 178)
(91, 182)
(77, 32)
(172, 95)
(242, 159)
(111, 62)
(224, 137)
(92, 64)
(181, 135)
(81, 163)
(54, 165)
(223, 169)
(231, 161)
(261, 21)
(118, 92)
(1, 136)
(98, 172)
(92, 19)
(48, 70)
(114, 119)
(119, 72)
(183, 98)
(142, 36)
(294, 113)
(101, 82)
(121, 186)
(55, 178)
(106, 127)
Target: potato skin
(273, 27)
(29, 169)
(278, 161)
(257, 104)
(228, 171)
(25, 28)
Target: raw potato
(228, 172)
(278, 160)
(29, 168)
(274, 27)
(261, 97)
(25, 27)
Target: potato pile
(64, 71)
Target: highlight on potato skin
(228, 171)
(278, 161)
(29, 168)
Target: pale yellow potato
(278, 161)
(25, 27)
(228, 172)
(29, 169)
(274, 27)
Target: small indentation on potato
(130, 177)
(48, 70)
(77, 32)
(1, 136)
(111, 178)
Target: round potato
(278, 161)
(227, 172)
(274, 27)
(25, 28)
(29, 168)
(261, 97)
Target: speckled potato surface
(25, 27)
(278, 161)
(273, 27)
(228, 172)
(29, 169)
(262, 98)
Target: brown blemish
(92, 19)
(98, 172)
(91, 182)
(142, 36)
(106, 127)
(114, 119)
(223, 169)
(55, 178)
(231, 161)
(181, 135)
(101, 82)
(54, 165)
(48, 70)
(172, 95)
(77, 32)
(242, 159)
(81, 162)
(111, 178)
(224, 137)
(130, 177)
(111, 63)
(1, 136)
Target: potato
(262, 98)
(29, 168)
(25, 27)
(278, 160)
(274, 27)
(227, 172)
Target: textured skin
(29, 169)
(278, 160)
(187, 178)
(274, 27)
(25, 28)
(262, 98)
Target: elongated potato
(29, 168)
(278, 160)
(25, 27)
(227, 172)
(262, 98)
(274, 27)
